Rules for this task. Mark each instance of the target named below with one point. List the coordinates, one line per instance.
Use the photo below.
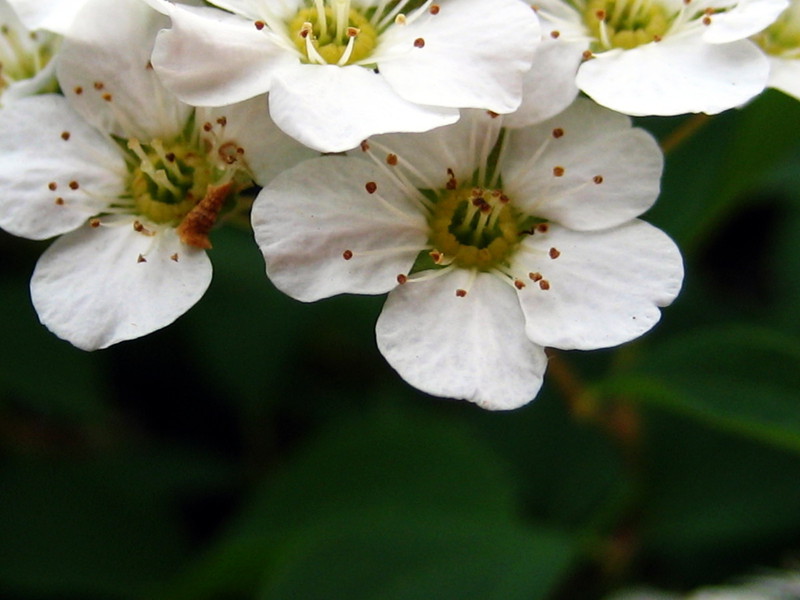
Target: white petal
(332, 108)
(39, 83)
(34, 155)
(549, 87)
(474, 55)
(212, 58)
(747, 18)
(784, 75)
(675, 76)
(605, 286)
(556, 178)
(51, 15)
(472, 347)
(267, 150)
(91, 288)
(120, 93)
(307, 218)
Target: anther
(492, 114)
(141, 259)
(542, 227)
(461, 293)
(391, 159)
(706, 20)
(98, 85)
(371, 187)
(52, 186)
(65, 135)
(400, 19)
(170, 156)
(587, 54)
(555, 34)
(519, 284)
(352, 31)
(60, 201)
(222, 121)
(260, 25)
(174, 257)
(558, 171)
(347, 254)
(401, 279)
(544, 284)
(78, 90)
(600, 14)
(364, 146)
(434, 10)
(535, 276)
(436, 256)
(207, 126)
(558, 132)
(597, 179)
(554, 253)
(419, 43)
(107, 97)
(94, 223)
(73, 185)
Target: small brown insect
(196, 225)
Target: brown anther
(107, 97)
(347, 254)
(657, 38)
(542, 227)
(706, 20)
(74, 185)
(78, 90)
(52, 186)
(98, 85)
(65, 135)
(587, 54)
(504, 199)
(401, 279)
(364, 146)
(461, 293)
(371, 187)
(558, 132)
(436, 256)
(554, 253)
(535, 276)
(479, 201)
(419, 43)
(174, 257)
(60, 201)
(391, 159)
(558, 171)
(304, 32)
(227, 153)
(223, 120)
(555, 34)
(138, 227)
(141, 259)
(544, 284)
(492, 114)
(597, 179)
(352, 31)
(207, 126)
(240, 151)
(260, 25)
(400, 19)
(170, 156)
(434, 10)
(600, 14)
(485, 208)
(519, 284)
(94, 223)
(149, 66)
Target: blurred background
(261, 448)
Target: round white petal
(675, 76)
(549, 86)
(472, 347)
(605, 286)
(308, 216)
(212, 58)
(747, 18)
(331, 108)
(556, 178)
(91, 288)
(120, 93)
(784, 75)
(474, 55)
(34, 155)
(267, 150)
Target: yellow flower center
(625, 23)
(475, 227)
(333, 34)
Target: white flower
(338, 71)
(26, 65)
(665, 57)
(130, 178)
(781, 42)
(485, 266)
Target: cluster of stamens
(626, 23)
(23, 55)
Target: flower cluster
(432, 150)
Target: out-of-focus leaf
(381, 463)
(407, 556)
(40, 372)
(739, 378)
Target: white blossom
(492, 243)
(781, 43)
(129, 177)
(338, 71)
(665, 57)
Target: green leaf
(405, 556)
(738, 378)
